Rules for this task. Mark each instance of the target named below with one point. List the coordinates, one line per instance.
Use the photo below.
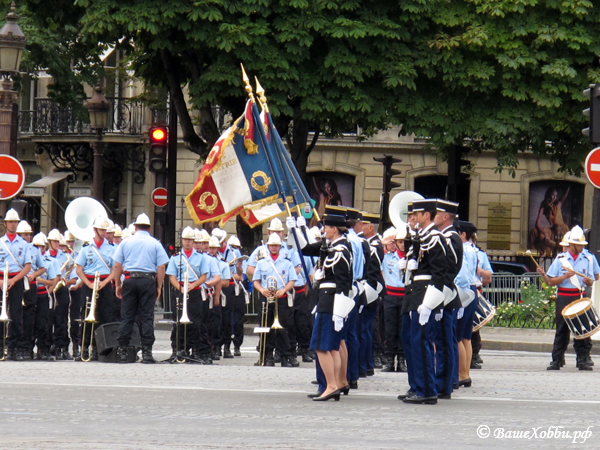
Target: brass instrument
(264, 329)
(4, 314)
(184, 319)
(90, 313)
(70, 263)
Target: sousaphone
(398, 209)
(80, 215)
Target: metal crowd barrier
(506, 287)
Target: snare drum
(582, 318)
(484, 314)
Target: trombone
(66, 264)
(90, 312)
(184, 319)
(4, 314)
(264, 328)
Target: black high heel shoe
(465, 383)
(345, 390)
(334, 395)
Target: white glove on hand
(412, 265)
(290, 222)
(460, 313)
(424, 313)
(300, 221)
(439, 315)
(338, 322)
(402, 264)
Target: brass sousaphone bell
(398, 209)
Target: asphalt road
(234, 405)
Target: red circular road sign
(159, 197)
(592, 167)
(12, 177)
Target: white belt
(422, 278)
(327, 285)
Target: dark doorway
(436, 186)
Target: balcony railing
(126, 116)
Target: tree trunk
(249, 237)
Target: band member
(142, 259)
(278, 267)
(215, 317)
(571, 287)
(77, 305)
(238, 304)
(45, 284)
(96, 258)
(393, 266)
(484, 275)
(466, 283)
(425, 295)
(446, 342)
(118, 236)
(334, 278)
(370, 225)
(192, 264)
(30, 296)
(15, 263)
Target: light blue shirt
(36, 258)
(212, 266)
(61, 257)
(141, 253)
(52, 267)
(293, 255)
(284, 271)
(585, 263)
(20, 249)
(230, 253)
(391, 270)
(484, 261)
(198, 266)
(358, 257)
(467, 275)
(91, 262)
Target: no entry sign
(159, 197)
(12, 177)
(592, 167)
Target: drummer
(570, 288)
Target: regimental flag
(236, 173)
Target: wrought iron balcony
(130, 117)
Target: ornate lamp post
(98, 108)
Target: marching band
(340, 295)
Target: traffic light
(158, 149)
(593, 112)
(388, 172)
(456, 173)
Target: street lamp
(12, 43)
(98, 107)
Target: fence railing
(507, 287)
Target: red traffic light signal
(158, 149)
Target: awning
(38, 188)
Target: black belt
(140, 275)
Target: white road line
(287, 391)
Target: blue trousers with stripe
(445, 356)
(405, 337)
(352, 343)
(421, 343)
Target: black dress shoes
(362, 375)
(389, 368)
(554, 365)
(401, 367)
(316, 394)
(314, 382)
(475, 365)
(306, 357)
(334, 395)
(416, 399)
(408, 393)
(377, 362)
(227, 353)
(370, 372)
(353, 384)
(445, 396)
(237, 352)
(465, 383)
(345, 390)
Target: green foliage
(534, 309)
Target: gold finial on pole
(262, 99)
(247, 84)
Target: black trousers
(392, 305)
(29, 307)
(58, 318)
(15, 314)
(226, 326)
(190, 333)
(278, 338)
(76, 311)
(104, 311)
(476, 342)
(238, 319)
(302, 322)
(139, 296)
(204, 345)
(214, 324)
(563, 334)
(378, 330)
(42, 315)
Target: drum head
(577, 307)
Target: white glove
(338, 322)
(300, 221)
(290, 222)
(439, 315)
(360, 309)
(424, 313)
(460, 313)
(314, 311)
(412, 265)
(402, 264)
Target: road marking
(11, 178)
(287, 391)
(594, 167)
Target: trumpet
(184, 319)
(66, 264)
(90, 318)
(4, 314)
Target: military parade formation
(338, 294)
